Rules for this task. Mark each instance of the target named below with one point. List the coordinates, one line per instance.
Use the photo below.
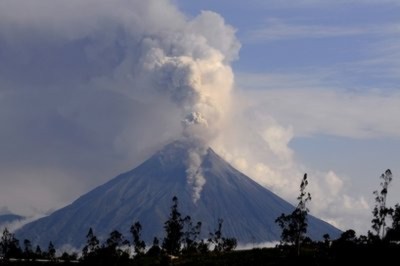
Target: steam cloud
(194, 172)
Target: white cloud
(278, 139)
(370, 114)
(278, 29)
(333, 202)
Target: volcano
(145, 194)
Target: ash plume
(198, 79)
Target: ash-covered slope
(145, 194)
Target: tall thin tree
(138, 243)
(92, 245)
(380, 210)
(51, 252)
(294, 225)
(174, 230)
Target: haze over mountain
(213, 190)
(6, 219)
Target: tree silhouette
(393, 233)
(51, 252)
(155, 249)
(138, 243)
(294, 225)
(348, 236)
(380, 210)
(221, 244)
(92, 245)
(28, 252)
(190, 236)
(38, 252)
(9, 245)
(110, 252)
(67, 258)
(174, 230)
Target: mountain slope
(145, 193)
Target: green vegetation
(182, 246)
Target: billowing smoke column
(195, 75)
(196, 78)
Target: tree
(380, 210)
(116, 240)
(348, 236)
(92, 245)
(38, 252)
(327, 238)
(9, 245)
(190, 236)
(396, 217)
(67, 258)
(110, 252)
(28, 252)
(155, 249)
(393, 233)
(174, 230)
(138, 243)
(221, 244)
(294, 225)
(51, 252)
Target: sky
(89, 89)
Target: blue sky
(315, 90)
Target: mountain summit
(145, 194)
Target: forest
(182, 245)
